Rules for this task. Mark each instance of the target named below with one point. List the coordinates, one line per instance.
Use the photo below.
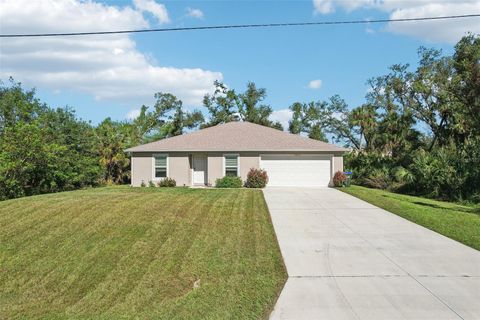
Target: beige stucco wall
(248, 161)
(216, 170)
(178, 168)
(141, 164)
(215, 167)
(337, 164)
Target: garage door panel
(297, 170)
(303, 157)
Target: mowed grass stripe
(135, 263)
(56, 238)
(142, 201)
(54, 277)
(62, 209)
(120, 252)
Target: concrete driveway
(348, 259)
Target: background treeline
(419, 129)
(417, 132)
(43, 149)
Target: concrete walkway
(347, 259)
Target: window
(231, 165)
(160, 166)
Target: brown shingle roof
(237, 136)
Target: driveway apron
(347, 259)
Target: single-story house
(201, 157)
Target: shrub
(143, 185)
(403, 179)
(228, 182)
(402, 175)
(339, 179)
(364, 163)
(378, 179)
(441, 173)
(151, 184)
(167, 183)
(256, 178)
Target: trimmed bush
(228, 182)
(151, 184)
(256, 178)
(167, 183)
(143, 185)
(339, 179)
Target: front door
(199, 169)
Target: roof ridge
(241, 135)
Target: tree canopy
(226, 105)
(418, 130)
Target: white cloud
(448, 31)
(194, 13)
(315, 84)
(158, 10)
(282, 116)
(323, 6)
(107, 66)
(132, 114)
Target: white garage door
(297, 170)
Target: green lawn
(459, 222)
(120, 252)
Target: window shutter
(231, 161)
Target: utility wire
(239, 26)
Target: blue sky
(107, 76)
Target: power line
(239, 26)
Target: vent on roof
(236, 117)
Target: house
(201, 157)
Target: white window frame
(153, 165)
(238, 163)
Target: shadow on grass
(475, 210)
(456, 208)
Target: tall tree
(42, 149)
(251, 108)
(421, 95)
(222, 105)
(308, 118)
(112, 140)
(365, 118)
(181, 120)
(17, 105)
(317, 119)
(78, 165)
(337, 122)
(466, 87)
(166, 119)
(430, 100)
(225, 105)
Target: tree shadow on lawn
(456, 208)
